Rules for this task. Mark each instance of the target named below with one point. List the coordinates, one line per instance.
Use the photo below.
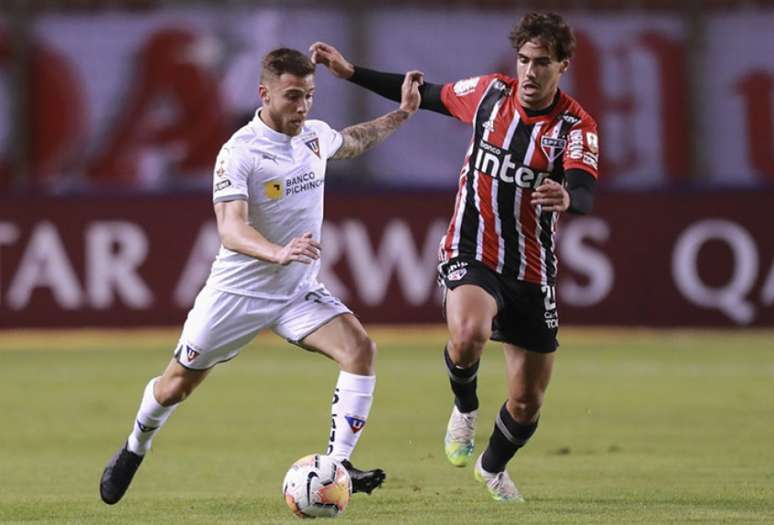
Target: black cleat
(364, 480)
(118, 475)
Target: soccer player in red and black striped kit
(533, 155)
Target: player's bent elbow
(228, 239)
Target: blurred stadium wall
(112, 112)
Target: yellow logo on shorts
(274, 189)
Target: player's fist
(302, 249)
(551, 196)
(329, 56)
(410, 97)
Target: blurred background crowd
(112, 113)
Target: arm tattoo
(360, 137)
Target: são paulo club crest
(552, 147)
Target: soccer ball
(317, 486)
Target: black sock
(508, 437)
(463, 383)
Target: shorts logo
(456, 270)
(274, 189)
(552, 147)
(550, 315)
(191, 354)
(314, 145)
(355, 423)
(456, 275)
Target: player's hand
(409, 96)
(329, 56)
(302, 249)
(551, 196)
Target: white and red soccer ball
(317, 486)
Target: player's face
(287, 100)
(539, 72)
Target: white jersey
(282, 178)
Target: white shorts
(221, 323)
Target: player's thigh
(320, 322)
(472, 298)
(219, 325)
(342, 339)
(469, 313)
(528, 374)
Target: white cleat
(500, 485)
(460, 437)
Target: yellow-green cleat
(460, 437)
(500, 485)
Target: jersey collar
(268, 132)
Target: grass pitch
(638, 427)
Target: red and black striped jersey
(510, 154)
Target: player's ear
(263, 92)
(565, 64)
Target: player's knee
(525, 408)
(360, 355)
(172, 391)
(467, 341)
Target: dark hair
(548, 28)
(285, 60)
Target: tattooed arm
(360, 137)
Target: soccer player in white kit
(268, 187)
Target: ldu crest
(314, 145)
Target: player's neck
(266, 120)
(542, 108)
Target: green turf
(638, 427)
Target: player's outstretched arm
(387, 85)
(237, 235)
(360, 137)
(330, 57)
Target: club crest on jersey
(274, 189)
(191, 354)
(314, 145)
(552, 147)
(355, 423)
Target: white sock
(150, 417)
(349, 413)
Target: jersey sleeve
(461, 98)
(232, 169)
(583, 147)
(330, 139)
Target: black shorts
(526, 313)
